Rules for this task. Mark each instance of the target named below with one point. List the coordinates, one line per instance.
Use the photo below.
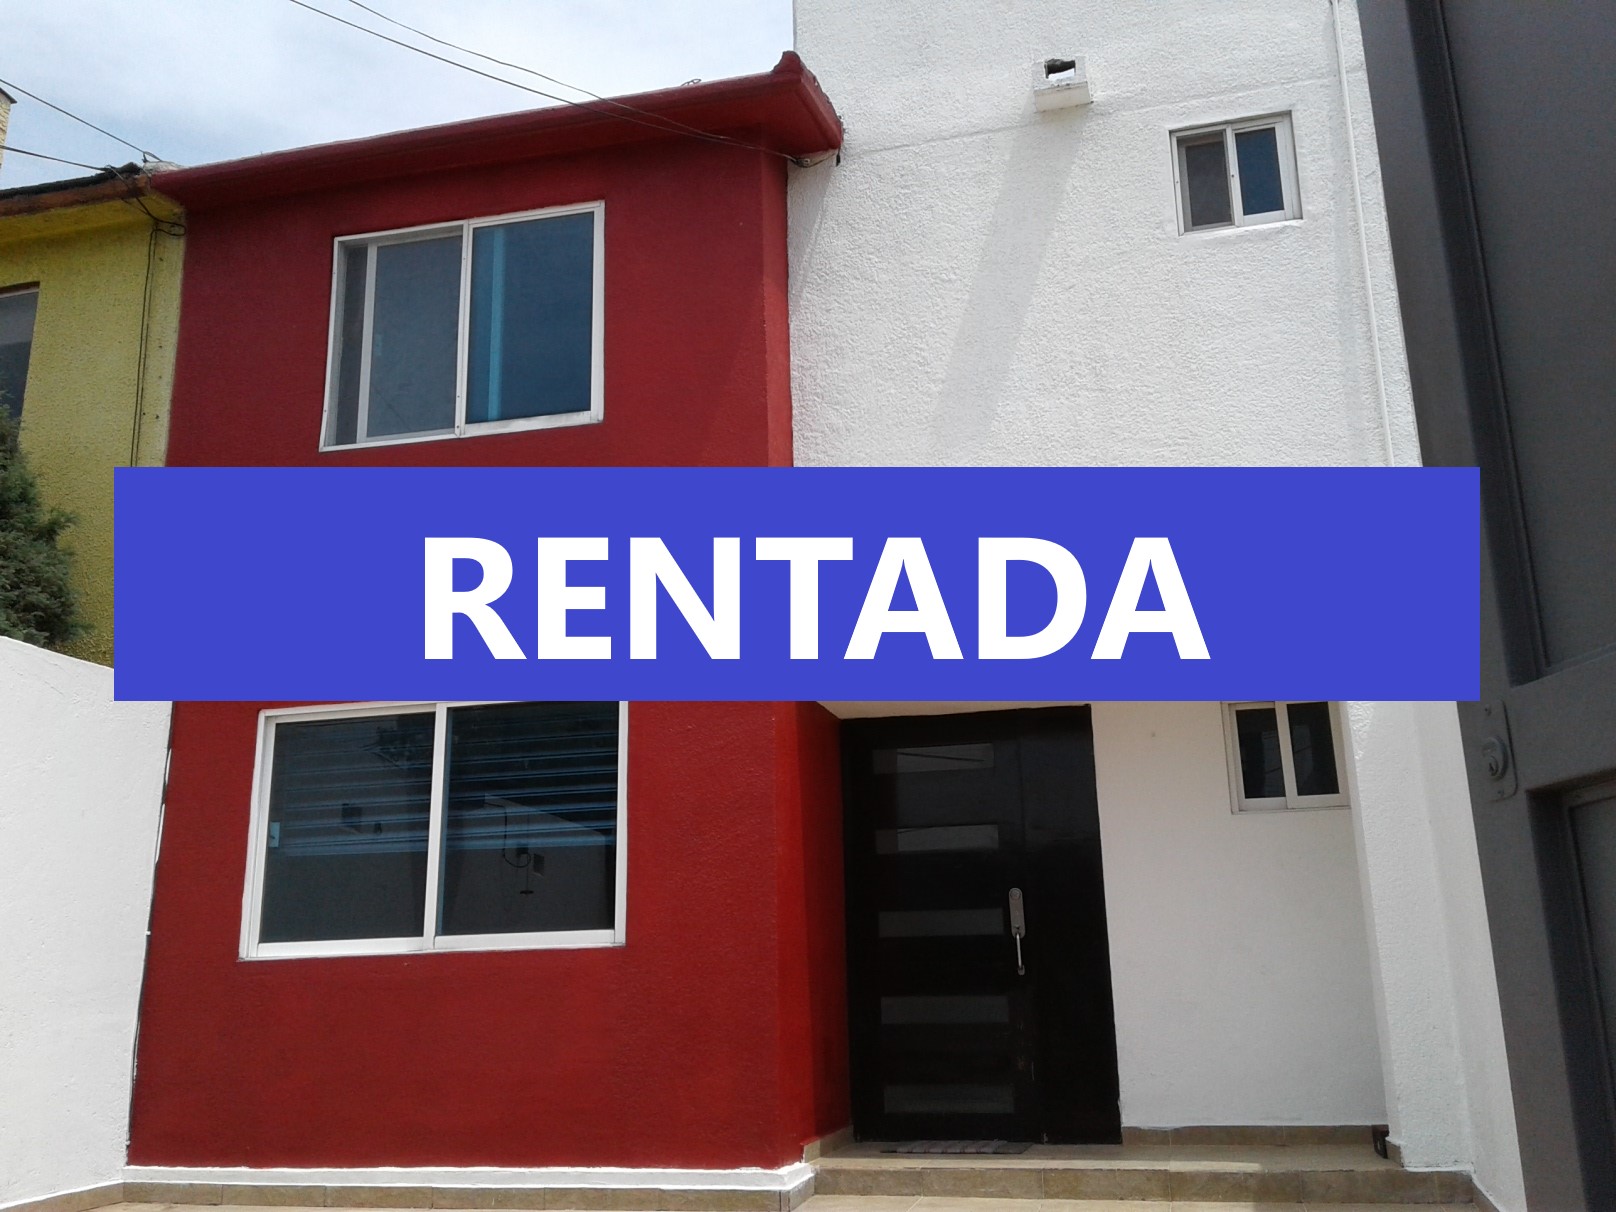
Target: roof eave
(784, 110)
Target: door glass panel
(1206, 180)
(944, 923)
(414, 343)
(957, 1009)
(932, 759)
(1257, 154)
(530, 828)
(934, 1100)
(1262, 774)
(348, 808)
(1313, 749)
(921, 840)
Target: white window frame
(429, 940)
(1290, 801)
(462, 428)
(1286, 146)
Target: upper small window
(1236, 174)
(17, 310)
(1284, 755)
(469, 328)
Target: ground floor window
(437, 826)
(1285, 755)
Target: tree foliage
(37, 604)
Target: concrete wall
(1242, 991)
(1443, 1042)
(80, 787)
(79, 413)
(979, 283)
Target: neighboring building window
(17, 310)
(423, 827)
(1235, 174)
(1285, 755)
(467, 328)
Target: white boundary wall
(81, 780)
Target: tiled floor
(1293, 1176)
(1049, 1157)
(880, 1203)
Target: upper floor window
(432, 826)
(1235, 174)
(466, 328)
(1285, 755)
(17, 310)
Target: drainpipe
(1363, 233)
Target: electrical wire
(624, 113)
(577, 88)
(85, 121)
(23, 151)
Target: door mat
(952, 1147)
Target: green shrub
(36, 597)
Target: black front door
(980, 981)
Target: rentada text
(564, 592)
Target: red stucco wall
(716, 1036)
(713, 1038)
(697, 355)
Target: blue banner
(982, 584)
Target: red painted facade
(716, 1036)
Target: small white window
(432, 826)
(1235, 174)
(466, 328)
(1285, 755)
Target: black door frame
(1059, 1115)
(1538, 729)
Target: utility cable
(624, 113)
(577, 88)
(85, 121)
(23, 151)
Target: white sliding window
(420, 827)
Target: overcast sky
(200, 80)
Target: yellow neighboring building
(89, 311)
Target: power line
(466, 50)
(22, 151)
(69, 113)
(624, 113)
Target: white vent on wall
(1060, 82)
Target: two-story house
(723, 955)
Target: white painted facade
(980, 282)
(81, 781)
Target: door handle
(1018, 926)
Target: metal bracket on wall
(1493, 754)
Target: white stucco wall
(1442, 1031)
(1238, 951)
(80, 788)
(978, 283)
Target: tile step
(1243, 1176)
